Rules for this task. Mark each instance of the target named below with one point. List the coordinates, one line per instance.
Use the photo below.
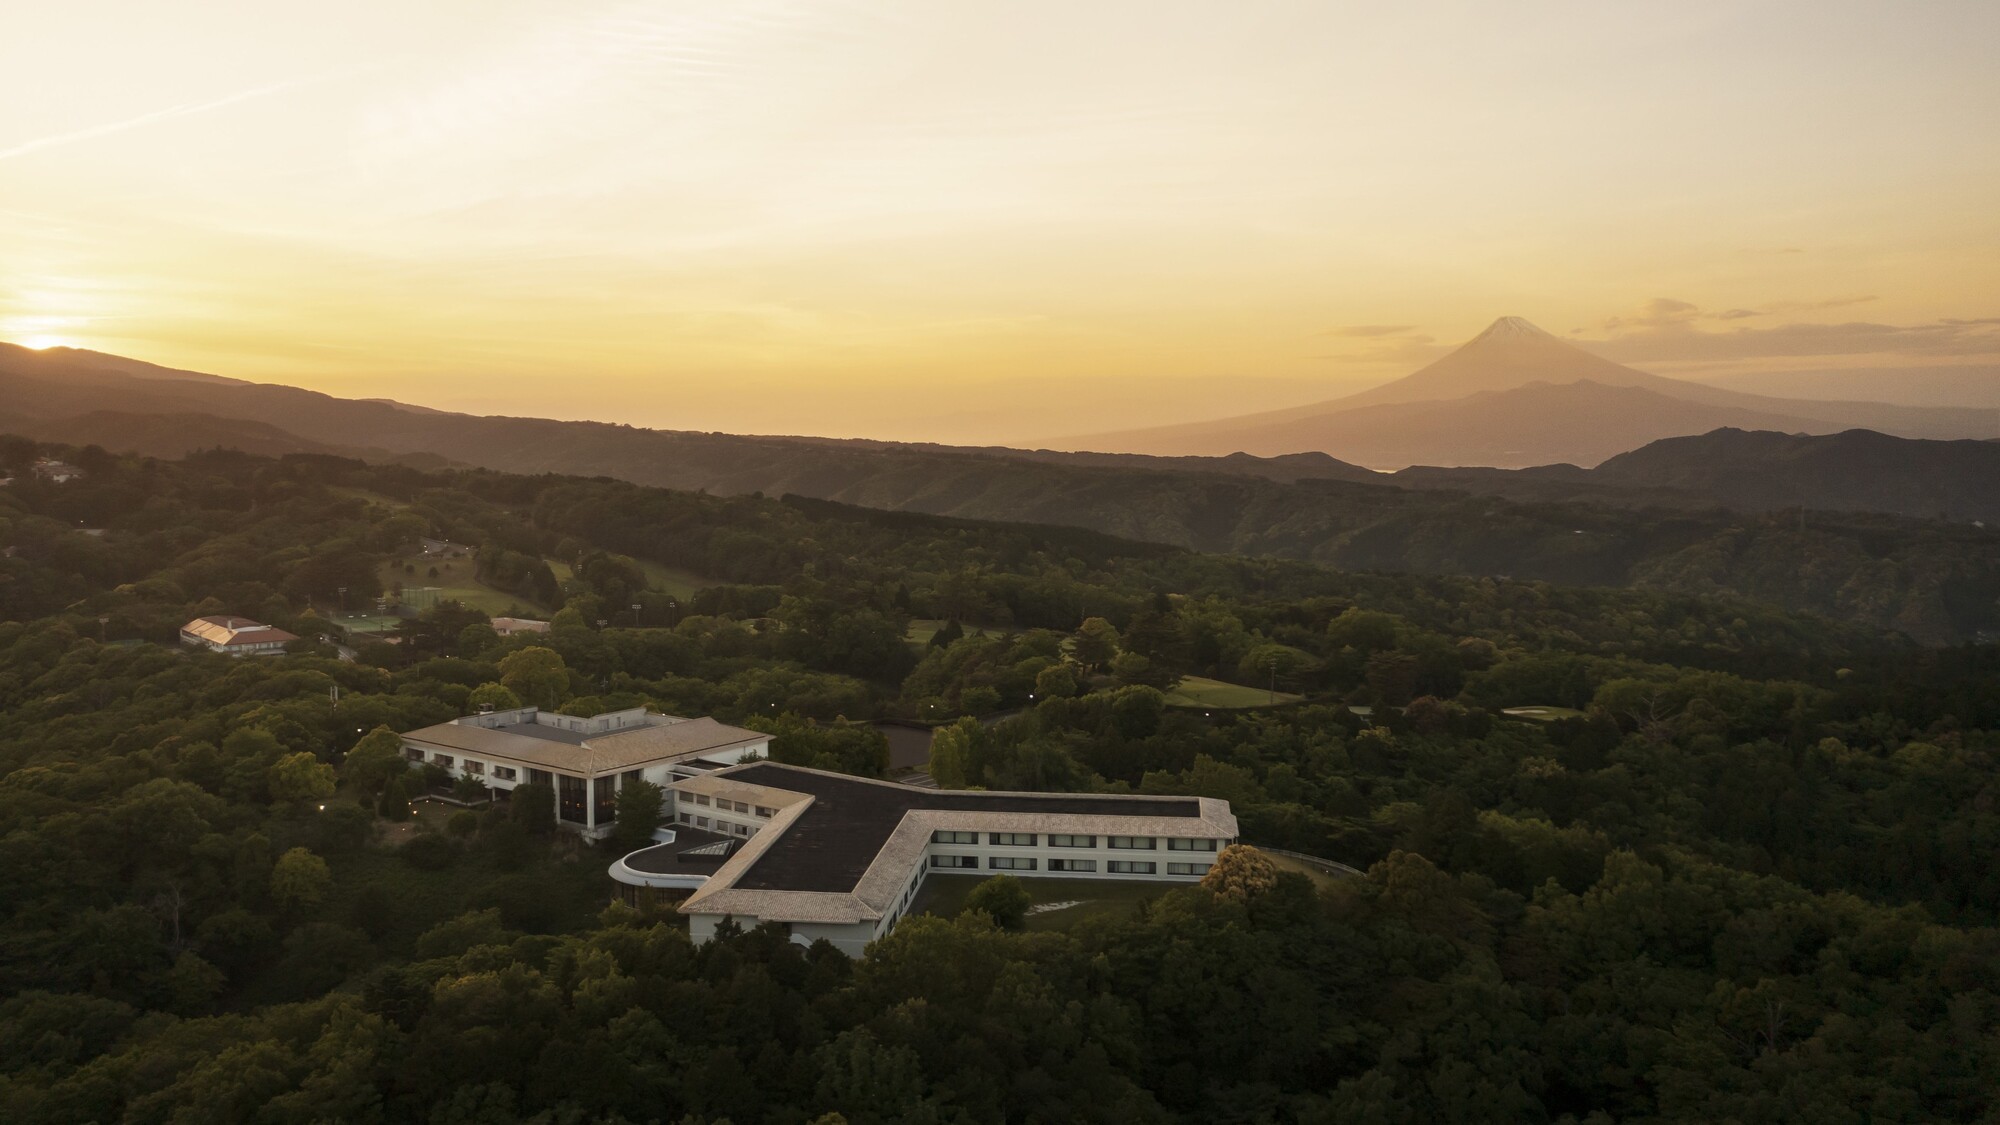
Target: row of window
(472, 768)
(722, 826)
(1062, 840)
(1068, 866)
(722, 805)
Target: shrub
(1002, 898)
(429, 852)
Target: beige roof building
(237, 636)
(586, 759)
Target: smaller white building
(586, 760)
(508, 626)
(235, 636)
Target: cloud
(1667, 330)
(171, 112)
(1372, 331)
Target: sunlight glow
(43, 343)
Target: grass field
(367, 623)
(1542, 714)
(666, 579)
(1319, 876)
(944, 896)
(1199, 691)
(456, 581)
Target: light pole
(635, 615)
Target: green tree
(298, 778)
(639, 805)
(394, 804)
(537, 676)
(1241, 872)
(491, 696)
(300, 880)
(1002, 898)
(951, 749)
(373, 761)
(533, 807)
(1057, 681)
(1096, 644)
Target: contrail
(167, 114)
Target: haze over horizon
(951, 224)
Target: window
(742, 830)
(956, 861)
(687, 818)
(1132, 843)
(571, 798)
(701, 822)
(766, 813)
(1130, 867)
(1072, 865)
(1187, 868)
(1011, 839)
(632, 776)
(741, 806)
(1056, 841)
(954, 837)
(1177, 844)
(505, 773)
(443, 760)
(413, 754)
(606, 793)
(1010, 863)
(700, 798)
(476, 769)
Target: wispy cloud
(1669, 330)
(184, 109)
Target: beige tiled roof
(234, 631)
(602, 753)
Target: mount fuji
(1516, 396)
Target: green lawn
(1320, 877)
(457, 580)
(1199, 691)
(682, 584)
(1542, 714)
(944, 895)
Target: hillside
(1480, 405)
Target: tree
(951, 748)
(298, 778)
(1096, 644)
(534, 807)
(638, 814)
(1274, 665)
(491, 696)
(537, 675)
(1057, 681)
(300, 880)
(1241, 872)
(394, 804)
(373, 761)
(1002, 898)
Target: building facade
(586, 760)
(843, 858)
(235, 636)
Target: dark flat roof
(831, 845)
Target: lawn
(1542, 714)
(1321, 877)
(457, 580)
(1065, 902)
(682, 584)
(1199, 691)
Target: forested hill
(1735, 868)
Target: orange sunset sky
(988, 221)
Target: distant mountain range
(1560, 523)
(1515, 396)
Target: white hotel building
(842, 858)
(825, 855)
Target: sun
(43, 343)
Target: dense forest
(1739, 869)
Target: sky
(984, 222)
